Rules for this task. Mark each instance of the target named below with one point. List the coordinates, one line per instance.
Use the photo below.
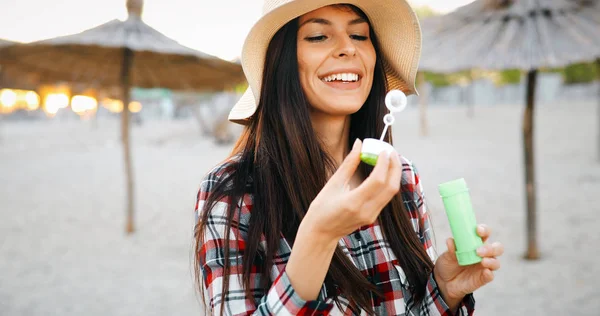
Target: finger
(494, 250)
(374, 182)
(483, 231)
(491, 263)
(392, 182)
(487, 276)
(348, 167)
(395, 172)
(450, 245)
(497, 249)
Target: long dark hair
(282, 163)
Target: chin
(343, 109)
(339, 105)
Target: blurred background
(111, 112)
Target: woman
(293, 223)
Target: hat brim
(393, 21)
(244, 108)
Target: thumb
(348, 166)
(451, 248)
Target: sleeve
(433, 300)
(280, 299)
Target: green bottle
(457, 202)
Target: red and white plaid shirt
(366, 248)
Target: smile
(342, 77)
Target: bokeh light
(81, 104)
(55, 102)
(33, 100)
(135, 106)
(8, 98)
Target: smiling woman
(292, 223)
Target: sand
(63, 250)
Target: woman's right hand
(338, 210)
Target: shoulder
(220, 175)
(221, 172)
(215, 194)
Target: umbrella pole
(423, 103)
(470, 96)
(125, 114)
(598, 75)
(532, 248)
(204, 130)
(1, 115)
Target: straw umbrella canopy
(4, 42)
(121, 54)
(96, 56)
(15, 82)
(510, 34)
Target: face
(336, 60)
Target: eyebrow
(327, 22)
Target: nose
(346, 47)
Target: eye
(318, 38)
(359, 37)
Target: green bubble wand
(396, 102)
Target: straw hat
(393, 21)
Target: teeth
(347, 77)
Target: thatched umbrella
(121, 54)
(13, 82)
(4, 42)
(4, 84)
(515, 34)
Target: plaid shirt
(366, 248)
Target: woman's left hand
(456, 281)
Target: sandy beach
(63, 250)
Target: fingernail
(481, 229)
(356, 142)
(481, 251)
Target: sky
(215, 27)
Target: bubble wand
(396, 102)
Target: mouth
(342, 81)
(342, 77)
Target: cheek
(302, 66)
(370, 60)
(306, 71)
(303, 77)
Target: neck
(333, 133)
